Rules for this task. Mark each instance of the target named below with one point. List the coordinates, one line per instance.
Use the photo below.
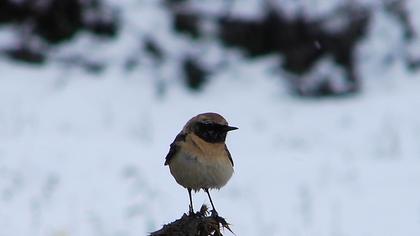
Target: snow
(82, 154)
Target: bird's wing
(228, 154)
(174, 147)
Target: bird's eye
(206, 122)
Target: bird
(198, 158)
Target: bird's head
(211, 127)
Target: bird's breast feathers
(198, 164)
(198, 147)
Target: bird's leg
(191, 211)
(213, 212)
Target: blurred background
(325, 94)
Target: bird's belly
(196, 173)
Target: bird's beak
(230, 128)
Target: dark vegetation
(301, 42)
(53, 22)
(297, 41)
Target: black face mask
(210, 132)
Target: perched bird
(198, 158)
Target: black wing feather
(174, 147)
(228, 153)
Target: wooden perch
(199, 224)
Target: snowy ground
(82, 154)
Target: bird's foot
(191, 212)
